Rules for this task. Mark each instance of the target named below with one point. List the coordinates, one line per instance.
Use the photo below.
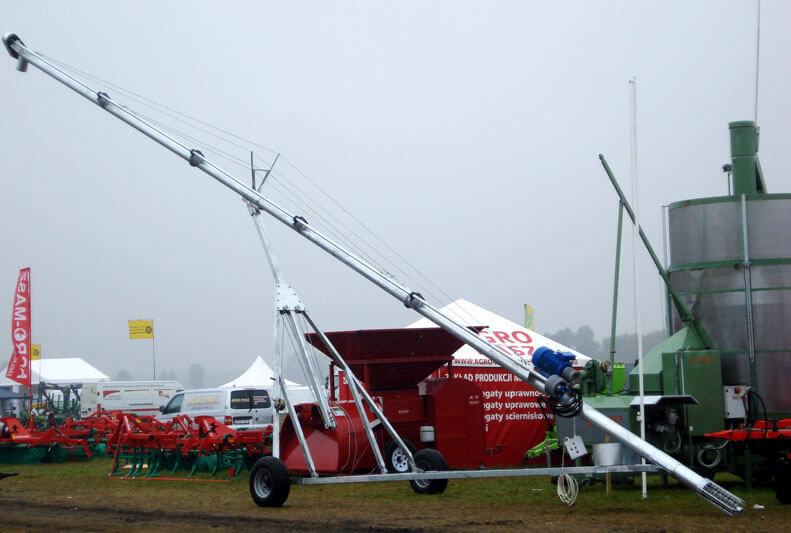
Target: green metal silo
(730, 261)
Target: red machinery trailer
(441, 413)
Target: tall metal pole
(748, 295)
(637, 321)
(153, 349)
(666, 253)
(29, 360)
(757, 58)
(615, 288)
(608, 477)
(411, 299)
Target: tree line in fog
(193, 378)
(584, 341)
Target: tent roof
(258, 375)
(500, 331)
(62, 371)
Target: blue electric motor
(564, 400)
(549, 362)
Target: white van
(134, 397)
(237, 408)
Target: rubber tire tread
(281, 482)
(429, 459)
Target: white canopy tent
(261, 375)
(60, 372)
(503, 333)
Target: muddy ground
(71, 514)
(64, 498)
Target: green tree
(583, 340)
(626, 345)
(564, 336)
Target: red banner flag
(19, 365)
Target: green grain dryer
(715, 390)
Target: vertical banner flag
(529, 317)
(141, 329)
(19, 365)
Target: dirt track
(80, 497)
(63, 514)
(20, 515)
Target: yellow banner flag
(529, 324)
(35, 352)
(141, 329)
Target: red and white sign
(19, 365)
(514, 421)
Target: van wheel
(428, 459)
(395, 458)
(269, 482)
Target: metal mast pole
(666, 251)
(615, 289)
(153, 349)
(30, 420)
(638, 323)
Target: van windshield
(174, 406)
(250, 399)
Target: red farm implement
(761, 430)
(19, 445)
(141, 446)
(148, 447)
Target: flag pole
(29, 358)
(144, 329)
(153, 349)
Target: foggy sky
(465, 134)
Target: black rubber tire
(395, 458)
(428, 459)
(269, 482)
(783, 484)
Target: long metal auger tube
(721, 498)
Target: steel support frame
(288, 307)
(478, 474)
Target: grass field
(78, 496)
